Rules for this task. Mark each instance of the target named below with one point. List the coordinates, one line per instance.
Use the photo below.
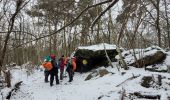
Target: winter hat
(53, 57)
(47, 58)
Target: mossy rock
(103, 72)
(146, 81)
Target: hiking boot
(57, 83)
(51, 84)
(70, 80)
(46, 81)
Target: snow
(140, 53)
(77, 0)
(105, 88)
(108, 87)
(17, 76)
(98, 47)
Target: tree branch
(103, 12)
(84, 10)
(22, 32)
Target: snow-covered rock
(145, 57)
(95, 55)
(97, 72)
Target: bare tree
(19, 5)
(167, 22)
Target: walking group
(52, 65)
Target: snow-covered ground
(103, 88)
(109, 87)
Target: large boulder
(149, 56)
(95, 56)
(156, 58)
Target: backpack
(72, 64)
(55, 64)
(47, 65)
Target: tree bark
(122, 61)
(167, 22)
(157, 26)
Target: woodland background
(31, 29)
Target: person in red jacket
(62, 64)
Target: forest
(41, 27)
(33, 29)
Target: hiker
(54, 71)
(62, 64)
(71, 67)
(46, 72)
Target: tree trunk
(157, 26)
(8, 78)
(167, 22)
(122, 61)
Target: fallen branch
(123, 95)
(133, 77)
(16, 87)
(139, 95)
(155, 70)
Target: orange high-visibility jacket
(47, 65)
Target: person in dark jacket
(71, 67)
(54, 71)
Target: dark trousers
(61, 74)
(46, 74)
(70, 73)
(81, 69)
(52, 76)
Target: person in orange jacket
(71, 67)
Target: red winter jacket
(62, 63)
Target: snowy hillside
(132, 84)
(109, 87)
